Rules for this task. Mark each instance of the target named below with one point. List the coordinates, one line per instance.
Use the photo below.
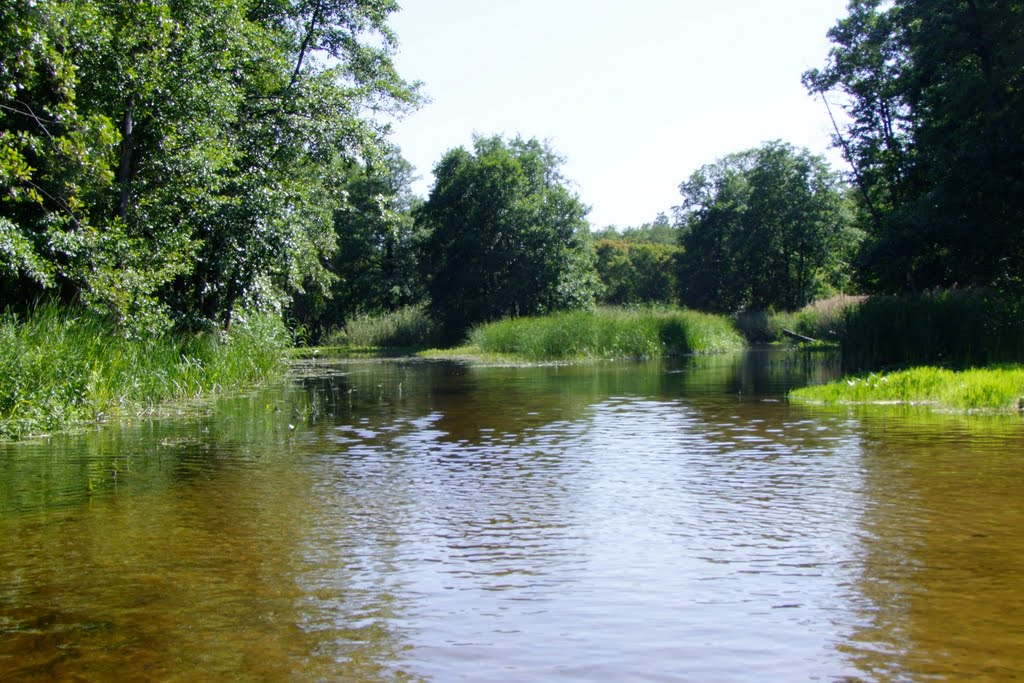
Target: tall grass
(824, 320)
(956, 328)
(407, 327)
(60, 366)
(607, 333)
(998, 389)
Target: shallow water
(675, 521)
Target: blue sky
(636, 96)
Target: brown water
(649, 522)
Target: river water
(382, 521)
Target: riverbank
(996, 389)
(60, 367)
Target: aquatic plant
(990, 389)
(63, 365)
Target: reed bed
(954, 328)
(409, 327)
(607, 333)
(61, 366)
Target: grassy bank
(607, 333)
(997, 389)
(59, 367)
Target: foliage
(935, 134)
(993, 389)
(660, 231)
(764, 228)
(504, 235)
(178, 159)
(375, 268)
(959, 328)
(59, 366)
(607, 333)
(408, 327)
(636, 272)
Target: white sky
(636, 95)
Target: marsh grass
(607, 333)
(954, 328)
(997, 389)
(61, 366)
(408, 327)
(824, 320)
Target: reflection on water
(386, 521)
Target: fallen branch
(798, 337)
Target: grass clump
(997, 389)
(607, 333)
(60, 366)
(409, 327)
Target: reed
(824, 320)
(954, 328)
(607, 333)
(996, 389)
(60, 366)
(408, 327)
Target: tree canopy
(170, 160)
(504, 235)
(762, 228)
(933, 93)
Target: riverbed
(670, 520)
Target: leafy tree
(660, 231)
(504, 235)
(181, 157)
(764, 228)
(636, 272)
(375, 265)
(935, 135)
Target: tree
(935, 137)
(375, 265)
(504, 235)
(178, 158)
(763, 228)
(636, 272)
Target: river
(425, 521)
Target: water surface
(369, 521)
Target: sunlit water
(623, 521)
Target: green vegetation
(59, 367)
(409, 327)
(607, 333)
(958, 328)
(765, 228)
(823, 320)
(933, 130)
(989, 389)
(168, 162)
(505, 236)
